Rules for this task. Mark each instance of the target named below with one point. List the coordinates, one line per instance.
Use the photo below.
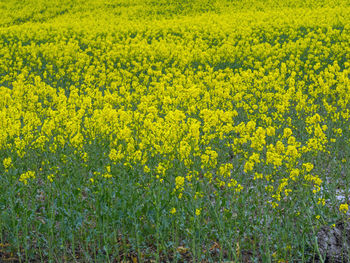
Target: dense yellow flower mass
(231, 100)
(160, 92)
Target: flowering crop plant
(172, 131)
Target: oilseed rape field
(174, 131)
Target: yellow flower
(173, 210)
(184, 150)
(274, 204)
(179, 182)
(248, 166)
(146, 169)
(287, 191)
(292, 151)
(26, 176)
(287, 132)
(115, 155)
(7, 162)
(50, 177)
(258, 176)
(308, 166)
(294, 174)
(344, 208)
(321, 201)
(225, 169)
(106, 175)
(280, 147)
(270, 131)
(198, 211)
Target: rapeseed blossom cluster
(27, 176)
(344, 208)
